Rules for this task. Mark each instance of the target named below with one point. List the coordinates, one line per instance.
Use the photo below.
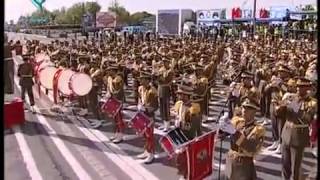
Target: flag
(199, 157)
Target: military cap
(145, 75)
(302, 81)
(166, 60)
(112, 68)
(26, 57)
(283, 68)
(197, 67)
(183, 89)
(246, 75)
(291, 82)
(250, 104)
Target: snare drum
(173, 141)
(140, 122)
(112, 106)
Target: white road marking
(135, 165)
(115, 157)
(74, 164)
(27, 155)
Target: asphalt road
(50, 146)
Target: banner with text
(105, 19)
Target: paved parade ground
(53, 146)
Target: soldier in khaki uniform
(300, 110)
(239, 93)
(189, 120)
(246, 141)
(136, 68)
(115, 89)
(148, 103)
(165, 77)
(279, 88)
(25, 73)
(200, 85)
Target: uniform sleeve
(19, 71)
(250, 143)
(194, 109)
(177, 106)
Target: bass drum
(46, 76)
(80, 84)
(41, 57)
(42, 65)
(63, 82)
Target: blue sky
(15, 8)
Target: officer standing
(188, 120)
(164, 82)
(300, 111)
(201, 91)
(246, 141)
(277, 112)
(26, 73)
(148, 104)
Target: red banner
(236, 13)
(263, 13)
(199, 157)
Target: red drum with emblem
(173, 140)
(112, 107)
(140, 122)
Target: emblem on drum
(202, 155)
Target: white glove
(236, 92)
(141, 107)
(226, 127)
(177, 123)
(108, 95)
(224, 118)
(294, 105)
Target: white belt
(292, 125)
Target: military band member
(239, 92)
(25, 73)
(83, 68)
(115, 89)
(277, 111)
(148, 103)
(136, 68)
(165, 77)
(188, 120)
(200, 85)
(93, 97)
(300, 110)
(246, 141)
(18, 48)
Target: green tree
(92, 8)
(123, 16)
(138, 17)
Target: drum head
(46, 63)
(63, 82)
(81, 84)
(46, 77)
(41, 57)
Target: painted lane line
(84, 151)
(74, 164)
(27, 155)
(100, 137)
(116, 158)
